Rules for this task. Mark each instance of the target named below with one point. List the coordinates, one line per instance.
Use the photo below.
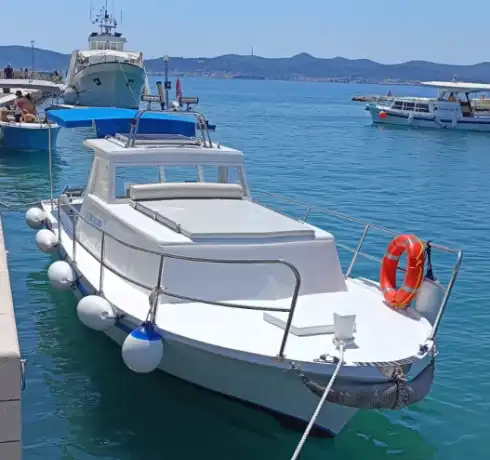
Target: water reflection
(24, 176)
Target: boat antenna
(105, 20)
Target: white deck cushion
(187, 190)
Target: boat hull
(427, 121)
(108, 84)
(266, 387)
(28, 136)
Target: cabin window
(398, 105)
(152, 174)
(423, 108)
(409, 106)
(180, 174)
(210, 173)
(234, 176)
(129, 174)
(99, 179)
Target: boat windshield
(130, 175)
(106, 45)
(412, 106)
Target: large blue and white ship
(105, 75)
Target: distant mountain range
(301, 66)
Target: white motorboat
(172, 258)
(453, 108)
(105, 75)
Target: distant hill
(21, 57)
(300, 66)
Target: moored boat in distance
(38, 134)
(173, 259)
(451, 109)
(105, 75)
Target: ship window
(409, 106)
(128, 175)
(423, 108)
(181, 174)
(397, 105)
(99, 183)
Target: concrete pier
(10, 367)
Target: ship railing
(63, 203)
(357, 251)
(384, 101)
(198, 116)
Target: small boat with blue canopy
(33, 132)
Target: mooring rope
(301, 443)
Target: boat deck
(224, 218)
(382, 334)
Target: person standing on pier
(8, 71)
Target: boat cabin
(107, 38)
(98, 41)
(119, 172)
(174, 193)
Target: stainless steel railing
(367, 226)
(75, 215)
(199, 117)
(357, 251)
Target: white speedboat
(453, 108)
(105, 75)
(173, 259)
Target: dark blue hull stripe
(474, 122)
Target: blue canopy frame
(110, 120)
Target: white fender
(35, 218)
(61, 275)
(142, 349)
(428, 299)
(96, 313)
(46, 240)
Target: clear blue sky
(386, 31)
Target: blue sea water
(310, 142)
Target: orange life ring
(414, 275)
